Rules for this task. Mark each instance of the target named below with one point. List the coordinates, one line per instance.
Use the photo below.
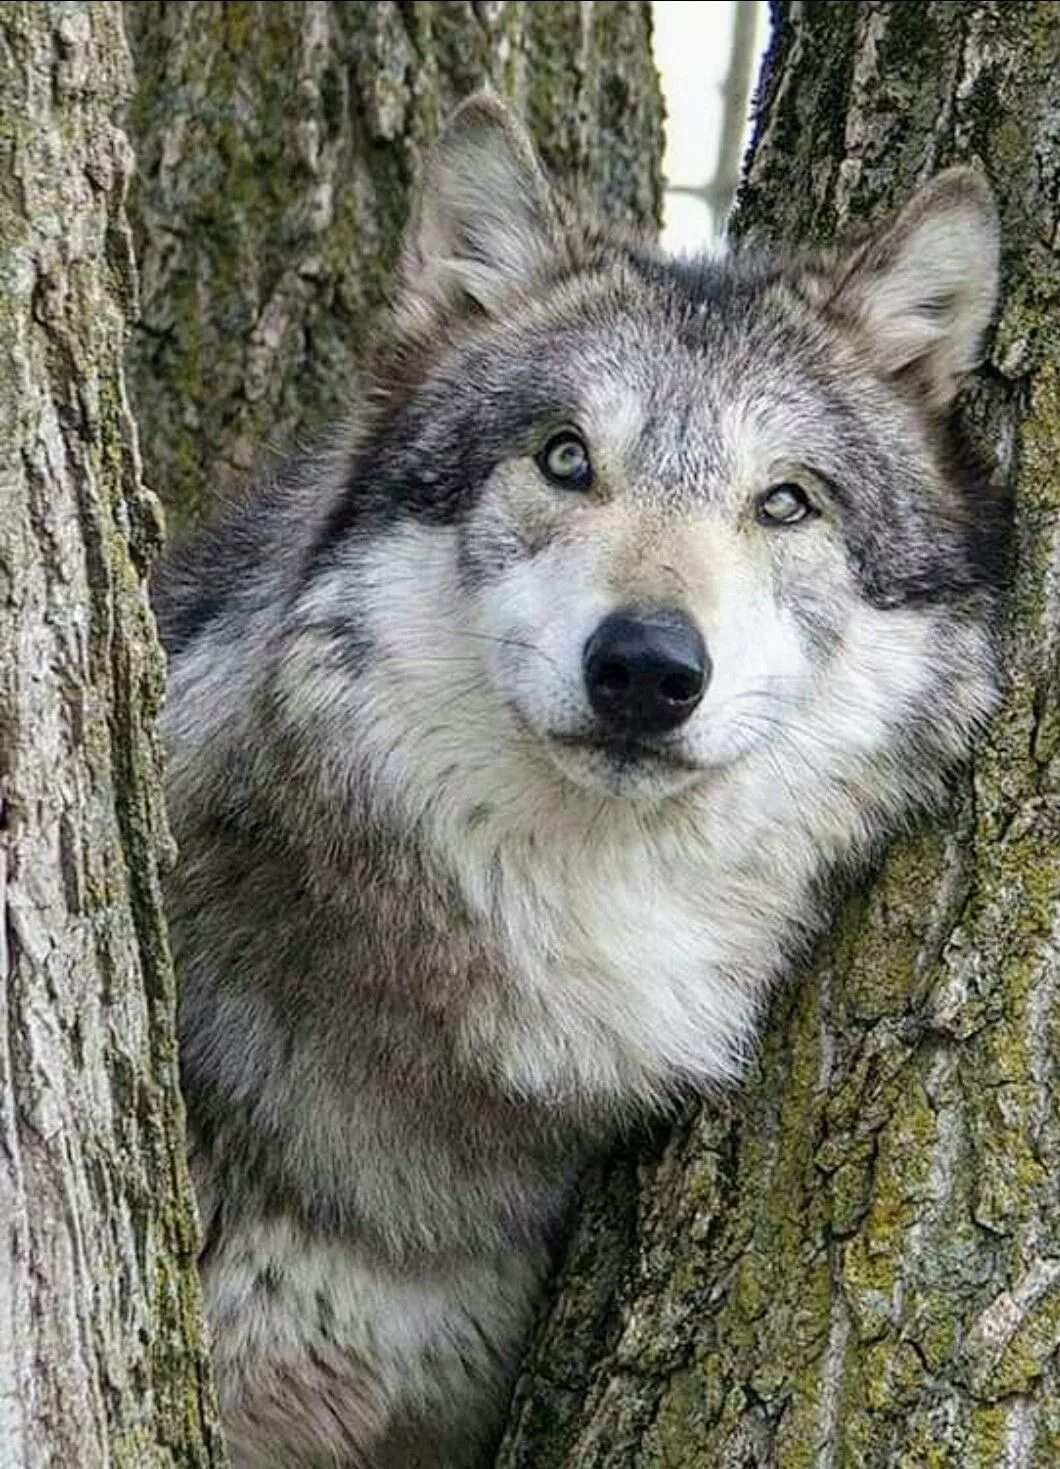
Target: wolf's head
(621, 523)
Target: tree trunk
(857, 1260)
(277, 144)
(101, 1359)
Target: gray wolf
(510, 738)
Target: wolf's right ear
(484, 223)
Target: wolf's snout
(645, 672)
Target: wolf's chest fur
(634, 955)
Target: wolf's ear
(923, 291)
(484, 222)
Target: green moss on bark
(277, 148)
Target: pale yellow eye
(565, 461)
(784, 505)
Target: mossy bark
(856, 1261)
(101, 1358)
(277, 144)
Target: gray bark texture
(101, 1359)
(856, 1261)
(277, 145)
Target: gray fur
(437, 941)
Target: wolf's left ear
(924, 290)
(484, 223)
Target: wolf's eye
(784, 505)
(564, 460)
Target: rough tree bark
(101, 1361)
(277, 144)
(857, 1260)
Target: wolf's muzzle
(645, 671)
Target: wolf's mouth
(624, 751)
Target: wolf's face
(662, 570)
(633, 566)
(641, 520)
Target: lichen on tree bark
(856, 1261)
(101, 1358)
(277, 145)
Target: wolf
(512, 738)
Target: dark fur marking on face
(433, 453)
(707, 284)
(821, 632)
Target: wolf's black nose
(645, 671)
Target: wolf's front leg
(326, 1358)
